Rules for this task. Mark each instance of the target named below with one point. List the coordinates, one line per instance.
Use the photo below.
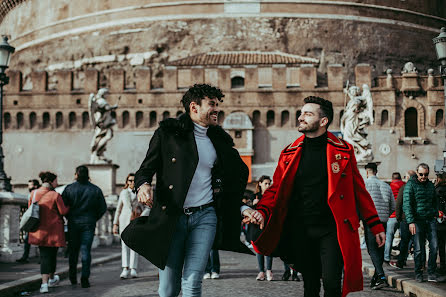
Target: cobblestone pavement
(238, 274)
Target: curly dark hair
(198, 92)
(326, 107)
(47, 177)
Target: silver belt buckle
(187, 211)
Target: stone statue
(357, 116)
(102, 122)
(409, 67)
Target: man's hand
(115, 229)
(145, 195)
(412, 228)
(381, 239)
(254, 217)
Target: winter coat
(441, 196)
(86, 202)
(399, 212)
(420, 200)
(382, 197)
(127, 200)
(173, 157)
(51, 211)
(346, 195)
(396, 185)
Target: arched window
(384, 117)
(270, 118)
(32, 120)
(298, 113)
(152, 122)
(45, 120)
(125, 119)
(438, 117)
(20, 121)
(139, 118)
(85, 120)
(72, 120)
(256, 118)
(237, 82)
(341, 114)
(166, 115)
(285, 118)
(7, 120)
(221, 117)
(411, 122)
(59, 119)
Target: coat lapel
(337, 159)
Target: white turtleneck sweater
(200, 190)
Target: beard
(305, 127)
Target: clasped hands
(252, 216)
(145, 195)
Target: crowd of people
(307, 214)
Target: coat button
(345, 221)
(346, 158)
(170, 187)
(343, 174)
(174, 160)
(342, 197)
(163, 207)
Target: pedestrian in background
(127, 203)
(392, 222)
(50, 234)
(440, 189)
(87, 205)
(254, 232)
(32, 185)
(384, 201)
(212, 270)
(421, 208)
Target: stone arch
(7, 120)
(166, 115)
(384, 117)
(421, 115)
(20, 120)
(270, 118)
(256, 118)
(85, 120)
(152, 119)
(72, 120)
(46, 120)
(59, 120)
(139, 119)
(32, 120)
(284, 118)
(411, 122)
(439, 115)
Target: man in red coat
(310, 213)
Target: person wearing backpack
(50, 234)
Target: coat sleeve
(102, 205)
(61, 207)
(151, 162)
(268, 200)
(409, 203)
(399, 204)
(118, 209)
(364, 202)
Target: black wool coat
(173, 157)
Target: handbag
(30, 219)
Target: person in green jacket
(421, 208)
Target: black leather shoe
(295, 277)
(22, 260)
(85, 283)
(286, 275)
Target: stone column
(104, 176)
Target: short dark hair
(325, 106)
(47, 177)
(198, 92)
(82, 174)
(372, 166)
(396, 175)
(35, 182)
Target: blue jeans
(80, 239)
(392, 226)
(425, 229)
(261, 262)
(376, 253)
(213, 262)
(405, 243)
(191, 244)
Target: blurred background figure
(440, 188)
(128, 208)
(50, 234)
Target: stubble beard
(308, 128)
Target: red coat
(52, 209)
(395, 185)
(346, 191)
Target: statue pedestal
(104, 176)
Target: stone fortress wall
(50, 128)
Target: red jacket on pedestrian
(346, 195)
(51, 210)
(395, 185)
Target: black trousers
(48, 259)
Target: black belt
(190, 210)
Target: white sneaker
(44, 288)
(54, 281)
(215, 275)
(133, 273)
(207, 276)
(125, 273)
